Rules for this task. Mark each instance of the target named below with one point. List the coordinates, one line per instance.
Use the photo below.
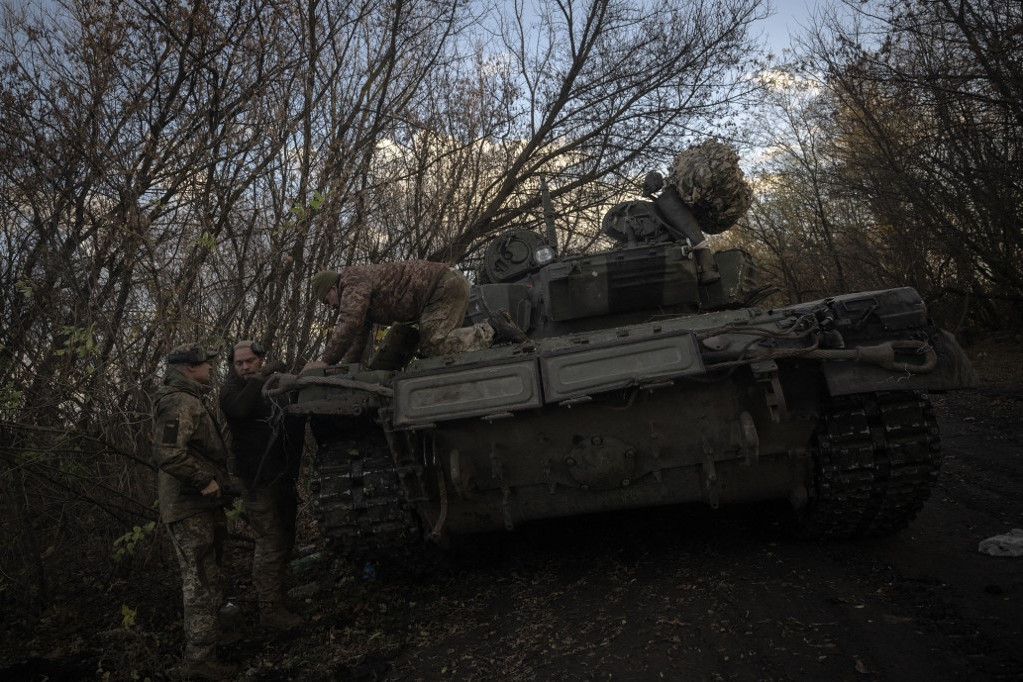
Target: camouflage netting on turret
(712, 185)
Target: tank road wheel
(875, 459)
(358, 500)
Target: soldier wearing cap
(192, 460)
(266, 446)
(431, 294)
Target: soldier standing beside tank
(191, 456)
(267, 450)
(429, 293)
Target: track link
(877, 457)
(358, 500)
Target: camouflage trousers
(271, 511)
(440, 330)
(199, 545)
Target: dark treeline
(173, 171)
(898, 159)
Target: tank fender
(947, 368)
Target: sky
(789, 18)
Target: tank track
(876, 459)
(358, 500)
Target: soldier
(192, 459)
(267, 450)
(429, 293)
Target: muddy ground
(677, 593)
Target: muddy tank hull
(823, 404)
(623, 449)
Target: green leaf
(24, 286)
(128, 615)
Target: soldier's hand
(213, 488)
(270, 367)
(314, 365)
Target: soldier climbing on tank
(191, 457)
(432, 294)
(678, 217)
(705, 192)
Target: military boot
(278, 617)
(207, 669)
(505, 329)
(230, 620)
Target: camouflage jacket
(188, 448)
(384, 294)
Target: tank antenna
(548, 214)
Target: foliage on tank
(711, 184)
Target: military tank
(650, 377)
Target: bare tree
(930, 119)
(590, 94)
(896, 159)
(129, 147)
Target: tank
(650, 377)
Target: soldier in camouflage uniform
(429, 293)
(192, 459)
(267, 450)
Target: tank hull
(631, 448)
(823, 404)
